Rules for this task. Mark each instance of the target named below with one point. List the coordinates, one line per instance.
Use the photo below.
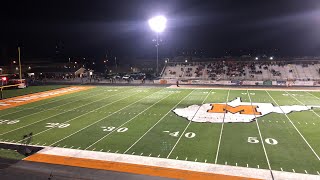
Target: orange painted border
(129, 168)
(17, 103)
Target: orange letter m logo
(243, 109)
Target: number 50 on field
(255, 140)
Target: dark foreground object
(25, 170)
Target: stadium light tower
(158, 25)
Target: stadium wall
(239, 82)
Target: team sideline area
(234, 132)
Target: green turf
(140, 121)
(10, 154)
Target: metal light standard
(158, 25)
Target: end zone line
(220, 137)
(102, 119)
(67, 97)
(57, 114)
(295, 128)
(157, 123)
(128, 121)
(261, 139)
(88, 111)
(54, 106)
(188, 125)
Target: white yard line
(261, 138)
(58, 113)
(128, 121)
(221, 130)
(89, 111)
(185, 129)
(302, 103)
(67, 97)
(312, 95)
(102, 118)
(295, 128)
(157, 123)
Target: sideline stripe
(129, 168)
(26, 99)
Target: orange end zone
(29, 98)
(128, 168)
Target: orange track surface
(13, 102)
(128, 168)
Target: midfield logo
(234, 111)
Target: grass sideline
(10, 154)
(140, 121)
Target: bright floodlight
(158, 23)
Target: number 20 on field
(255, 140)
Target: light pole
(158, 25)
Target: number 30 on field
(267, 140)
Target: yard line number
(57, 125)
(3, 121)
(111, 128)
(255, 140)
(176, 134)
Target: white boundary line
(295, 127)
(88, 111)
(58, 113)
(221, 130)
(181, 135)
(261, 139)
(128, 121)
(103, 118)
(67, 97)
(302, 103)
(157, 122)
(312, 95)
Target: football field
(142, 121)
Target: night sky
(93, 28)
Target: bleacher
(239, 70)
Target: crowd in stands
(238, 69)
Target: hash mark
(93, 149)
(298, 122)
(281, 169)
(116, 151)
(186, 158)
(159, 155)
(205, 161)
(44, 144)
(141, 154)
(306, 171)
(79, 147)
(132, 153)
(196, 160)
(306, 123)
(226, 163)
(109, 150)
(64, 146)
(177, 157)
(258, 166)
(101, 150)
(247, 165)
(313, 123)
(150, 154)
(318, 172)
(293, 170)
(236, 164)
(71, 147)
